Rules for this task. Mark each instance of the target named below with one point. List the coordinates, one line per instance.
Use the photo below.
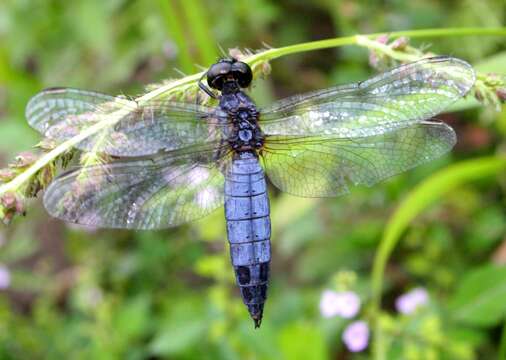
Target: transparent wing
(322, 166)
(144, 193)
(395, 99)
(132, 128)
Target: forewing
(146, 193)
(130, 128)
(398, 98)
(324, 166)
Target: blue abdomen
(249, 230)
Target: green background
(78, 294)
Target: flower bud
(478, 95)
(382, 39)
(345, 304)
(24, 159)
(47, 144)
(7, 217)
(6, 175)
(409, 302)
(8, 200)
(400, 43)
(501, 94)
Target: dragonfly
(169, 163)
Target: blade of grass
(204, 39)
(424, 195)
(176, 32)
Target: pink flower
(5, 277)
(345, 304)
(412, 300)
(356, 336)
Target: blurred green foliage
(83, 294)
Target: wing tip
(35, 103)
(466, 78)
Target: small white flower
(356, 336)
(349, 304)
(5, 277)
(329, 304)
(409, 302)
(345, 304)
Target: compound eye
(217, 73)
(242, 72)
(215, 82)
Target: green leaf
(132, 319)
(486, 229)
(480, 298)
(493, 64)
(178, 337)
(302, 341)
(181, 329)
(15, 136)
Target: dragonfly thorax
(245, 134)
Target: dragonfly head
(231, 72)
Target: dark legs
(205, 88)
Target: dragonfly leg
(205, 88)
(217, 155)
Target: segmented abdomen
(249, 230)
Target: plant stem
(272, 54)
(385, 49)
